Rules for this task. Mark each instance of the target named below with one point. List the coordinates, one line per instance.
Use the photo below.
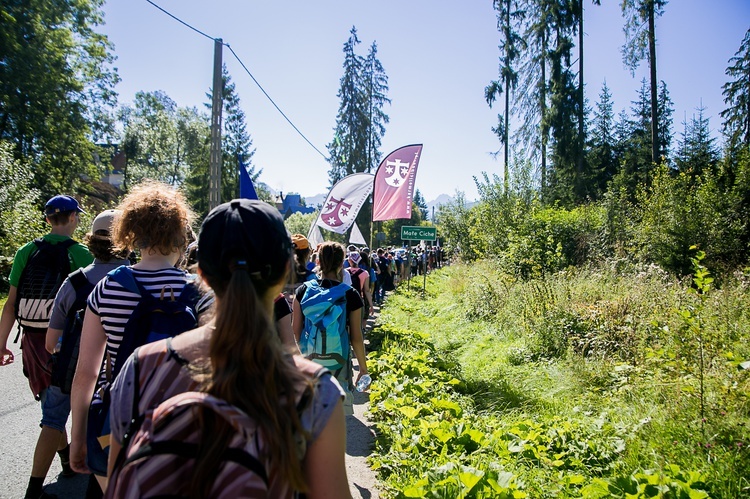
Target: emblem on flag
(394, 184)
(334, 211)
(344, 202)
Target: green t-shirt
(79, 256)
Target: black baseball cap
(244, 233)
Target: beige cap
(104, 221)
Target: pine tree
(567, 183)
(640, 43)
(421, 204)
(348, 150)
(736, 92)
(602, 144)
(697, 149)
(376, 87)
(532, 105)
(361, 121)
(509, 17)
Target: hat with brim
(61, 204)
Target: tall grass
(601, 345)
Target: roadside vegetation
(598, 382)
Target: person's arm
(368, 294)
(53, 335)
(91, 353)
(324, 465)
(7, 320)
(297, 320)
(286, 334)
(357, 341)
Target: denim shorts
(55, 408)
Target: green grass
(599, 369)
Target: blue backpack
(325, 339)
(154, 318)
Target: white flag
(344, 202)
(314, 237)
(356, 236)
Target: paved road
(19, 427)
(19, 424)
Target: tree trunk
(506, 180)
(581, 110)
(543, 109)
(652, 63)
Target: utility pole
(214, 183)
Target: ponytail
(245, 351)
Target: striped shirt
(114, 304)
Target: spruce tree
(736, 92)
(602, 144)
(348, 149)
(697, 148)
(509, 16)
(640, 43)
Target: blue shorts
(55, 408)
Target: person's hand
(361, 373)
(78, 457)
(372, 310)
(6, 357)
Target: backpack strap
(78, 280)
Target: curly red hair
(154, 216)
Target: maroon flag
(344, 201)
(394, 184)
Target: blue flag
(247, 189)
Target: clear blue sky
(438, 54)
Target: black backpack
(40, 280)
(64, 360)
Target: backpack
(357, 278)
(64, 360)
(154, 319)
(40, 280)
(156, 459)
(324, 338)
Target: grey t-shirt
(66, 296)
(314, 418)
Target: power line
(246, 70)
(272, 102)
(181, 21)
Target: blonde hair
(155, 216)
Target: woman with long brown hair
(244, 255)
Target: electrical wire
(246, 70)
(272, 102)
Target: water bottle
(364, 383)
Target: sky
(438, 54)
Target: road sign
(418, 233)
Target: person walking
(337, 307)
(154, 220)
(244, 255)
(38, 271)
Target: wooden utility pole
(214, 186)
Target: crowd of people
(220, 366)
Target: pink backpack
(158, 461)
(159, 457)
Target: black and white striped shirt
(114, 304)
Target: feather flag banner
(394, 184)
(344, 202)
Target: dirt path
(359, 441)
